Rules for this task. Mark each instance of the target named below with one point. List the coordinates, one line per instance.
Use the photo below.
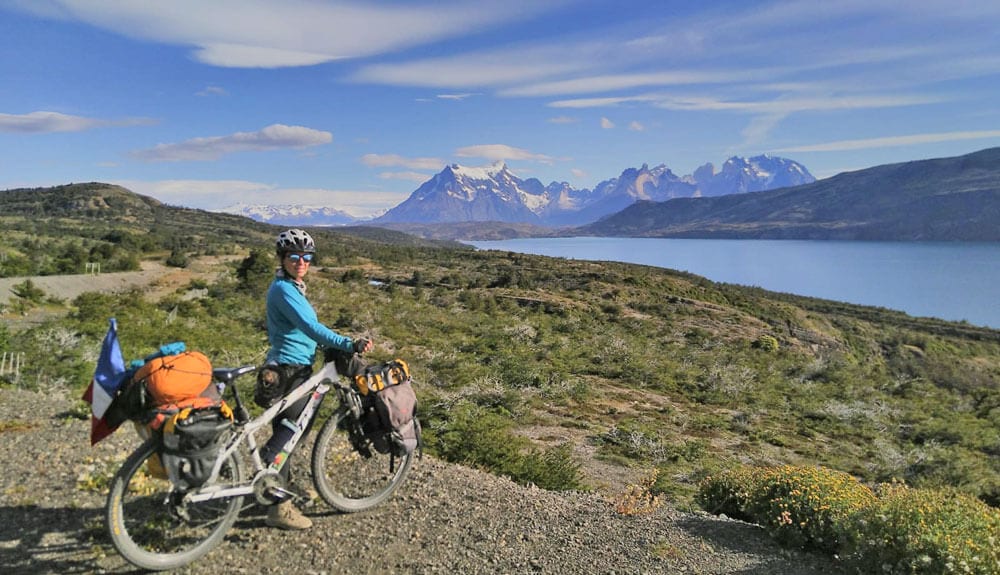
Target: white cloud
(498, 152)
(273, 137)
(591, 84)
(270, 34)
(607, 124)
(464, 71)
(212, 91)
(563, 120)
(46, 122)
(386, 160)
(636, 126)
(458, 97)
(405, 176)
(600, 102)
(892, 141)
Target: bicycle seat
(228, 374)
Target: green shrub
(801, 506)
(766, 343)
(477, 437)
(730, 493)
(918, 531)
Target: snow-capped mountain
(292, 215)
(462, 194)
(759, 173)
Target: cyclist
(293, 331)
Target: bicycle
(156, 526)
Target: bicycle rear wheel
(148, 525)
(348, 480)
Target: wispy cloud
(388, 160)
(497, 152)
(636, 126)
(405, 176)
(290, 32)
(458, 97)
(601, 102)
(892, 141)
(46, 122)
(607, 124)
(465, 71)
(273, 137)
(212, 91)
(616, 82)
(563, 120)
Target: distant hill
(109, 213)
(484, 231)
(947, 199)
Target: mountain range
(946, 199)
(495, 194)
(943, 199)
(292, 215)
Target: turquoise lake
(946, 280)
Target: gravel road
(68, 287)
(445, 519)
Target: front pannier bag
(391, 405)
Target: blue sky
(207, 103)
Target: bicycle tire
(345, 479)
(142, 527)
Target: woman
(294, 331)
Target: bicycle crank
(269, 488)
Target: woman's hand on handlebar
(363, 345)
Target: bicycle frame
(317, 386)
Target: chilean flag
(107, 379)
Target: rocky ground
(445, 519)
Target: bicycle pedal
(281, 494)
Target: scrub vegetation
(788, 411)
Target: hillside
(947, 199)
(566, 374)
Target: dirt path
(67, 287)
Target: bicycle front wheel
(348, 480)
(149, 524)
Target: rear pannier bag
(191, 441)
(391, 407)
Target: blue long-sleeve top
(293, 329)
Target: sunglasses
(294, 258)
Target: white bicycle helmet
(295, 240)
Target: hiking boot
(284, 515)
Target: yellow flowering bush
(800, 506)
(730, 493)
(924, 531)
